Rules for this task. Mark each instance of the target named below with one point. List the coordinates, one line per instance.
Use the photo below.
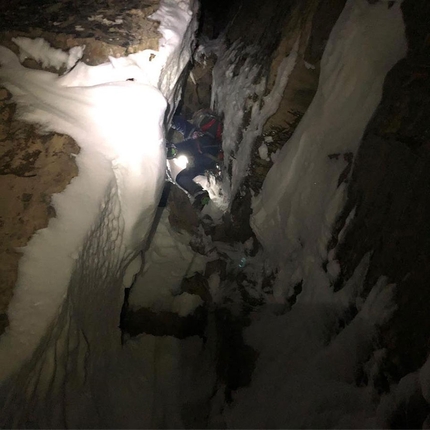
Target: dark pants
(185, 178)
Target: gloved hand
(196, 134)
(171, 151)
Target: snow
(311, 352)
(300, 199)
(413, 386)
(274, 155)
(218, 199)
(102, 20)
(173, 14)
(71, 275)
(169, 259)
(263, 152)
(306, 371)
(107, 123)
(309, 66)
(186, 304)
(41, 51)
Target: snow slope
(63, 336)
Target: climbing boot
(201, 199)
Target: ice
(232, 96)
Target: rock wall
(32, 168)
(35, 165)
(390, 194)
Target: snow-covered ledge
(63, 341)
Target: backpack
(208, 123)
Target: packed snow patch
(185, 304)
(41, 51)
(263, 152)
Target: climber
(202, 145)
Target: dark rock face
(121, 27)
(182, 214)
(390, 189)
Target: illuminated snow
(66, 305)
